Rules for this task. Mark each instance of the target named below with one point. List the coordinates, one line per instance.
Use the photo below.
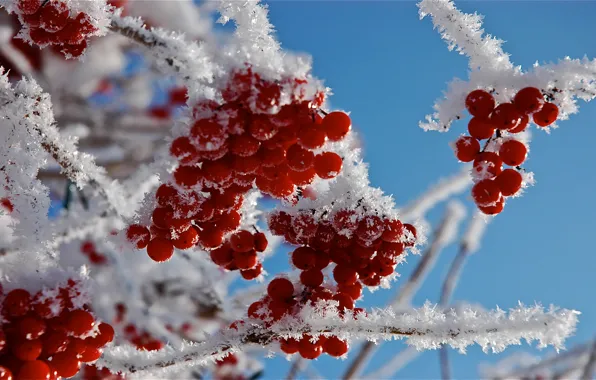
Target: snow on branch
(463, 32)
(424, 328)
(561, 82)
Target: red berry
(223, 255)
(487, 165)
(280, 288)
(521, 126)
(528, 100)
(31, 327)
(411, 234)
(178, 95)
(242, 241)
(6, 374)
(105, 335)
(509, 182)
(354, 290)
(334, 346)
(302, 178)
(208, 134)
(304, 258)
(345, 222)
(513, 152)
(91, 354)
(36, 369)
(336, 125)
(66, 364)
(54, 16)
(345, 275)
(311, 137)
(80, 322)
(328, 165)
(312, 277)
(16, 303)
(261, 128)
(486, 192)
(246, 260)
(345, 301)
(299, 159)
(279, 222)
(309, 350)
(370, 228)
(493, 209)
(27, 350)
(481, 128)
(304, 225)
(260, 242)
(138, 235)
(29, 7)
(188, 176)
(160, 249)
(393, 230)
(54, 341)
(183, 150)
(505, 116)
(547, 115)
(256, 309)
(272, 157)
(480, 103)
(252, 273)
(186, 239)
(466, 148)
(74, 50)
(211, 238)
(244, 145)
(289, 346)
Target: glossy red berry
(246, 260)
(494, 209)
(66, 364)
(328, 165)
(509, 182)
(335, 347)
(186, 239)
(244, 145)
(16, 303)
(183, 150)
(528, 100)
(466, 148)
(505, 116)
(188, 175)
(299, 159)
(211, 237)
(223, 255)
(252, 273)
(304, 258)
(138, 235)
(54, 16)
(480, 103)
(354, 290)
(54, 341)
(521, 126)
(336, 125)
(31, 327)
(481, 128)
(280, 288)
(289, 346)
(411, 234)
(105, 335)
(242, 241)
(260, 242)
(486, 192)
(208, 134)
(6, 374)
(393, 230)
(370, 228)
(27, 350)
(309, 350)
(311, 137)
(513, 152)
(345, 301)
(487, 165)
(547, 115)
(29, 7)
(80, 322)
(312, 277)
(36, 369)
(160, 249)
(344, 274)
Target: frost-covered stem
(590, 366)
(295, 368)
(407, 291)
(445, 365)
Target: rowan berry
(252, 273)
(486, 192)
(160, 249)
(336, 125)
(309, 350)
(16, 303)
(480, 103)
(289, 346)
(344, 274)
(547, 115)
(246, 260)
(335, 347)
(79, 322)
(186, 239)
(138, 235)
(493, 209)
(513, 152)
(35, 369)
(466, 148)
(509, 182)
(487, 165)
(299, 159)
(260, 242)
(505, 116)
(528, 100)
(280, 288)
(481, 128)
(327, 165)
(311, 137)
(521, 126)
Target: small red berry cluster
(284, 298)
(45, 337)
(492, 122)
(89, 250)
(51, 23)
(239, 252)
(249, 140)
(91, 372)
(142, 339)
(365, 248)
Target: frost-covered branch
(424, 328)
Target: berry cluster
(45, 336)
(250, 139)
(365, 248)
(142, 339)
(285, 298)
(498, 124)
(51, 23)
(91, 372)
(89, 250)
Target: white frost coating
(424, 328)
(443, 190)
(454, 214)
(473, 235)
(562, 82)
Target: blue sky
(388, 67)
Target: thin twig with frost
(590, 366)
(444, 234)
(425, 328)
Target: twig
(295, 368)
(590, 366)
